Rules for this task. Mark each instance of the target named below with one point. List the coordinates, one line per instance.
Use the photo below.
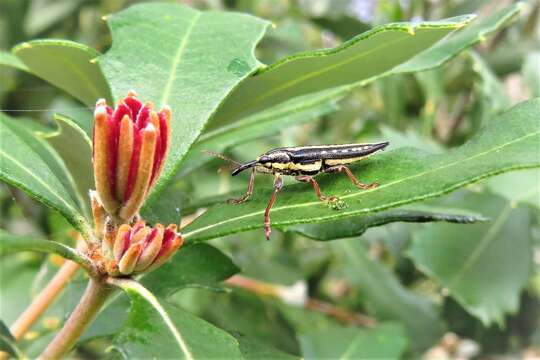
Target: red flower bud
(140, 248)
(130, 146)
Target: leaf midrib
(353, 345)
(308, 76)
(359, 194)
(177, 58)
(148, 296)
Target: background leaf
(8, 342)
(459, 41)
(200, 57)
(483, 266)
(8, 59)
(29, 164)
(14, 243)
(69, 65)
(386, 341)
(255, 349)
(520, 186)
(515, 133)
(75, 149)
(199, 266)
(386, 297)
(363, 57)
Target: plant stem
(91, 302)
(262, 288)
(44, 299)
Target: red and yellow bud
(140, 248)
(130, 146)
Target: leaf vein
(177, 58)
(481, 247)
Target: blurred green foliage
(487, 289)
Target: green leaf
(8, 59)
(192, 266)
(386, 341)
(28, 163)
(296, 111)
(520, 186)
(483, 266)
(247, 316)
(253, 349)
(155, 327)
(405, 175)
(69, 65)
(361, 59)
(8, 342)
(200, 266)
(43, 14)
(386, 297)
(459, 41)
(492, 94)
(165, 208)
(75, 149)
(356, 226)
(14, 243)
(199, 58)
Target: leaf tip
(24, 45)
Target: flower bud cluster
(139, 248)
(130, 146)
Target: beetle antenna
(221, 156)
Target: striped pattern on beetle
(309, 160)
(304, 162)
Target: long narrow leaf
(406, 175)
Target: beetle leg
(278, 184)
(310, 179)
(346, 170)
(248, 192)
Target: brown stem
(91, 302)
(342, 315)
(254, 286)
(44, 299)
(262, 288)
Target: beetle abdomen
(307, 154)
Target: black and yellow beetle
(304, 163)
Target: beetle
(304, 162)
